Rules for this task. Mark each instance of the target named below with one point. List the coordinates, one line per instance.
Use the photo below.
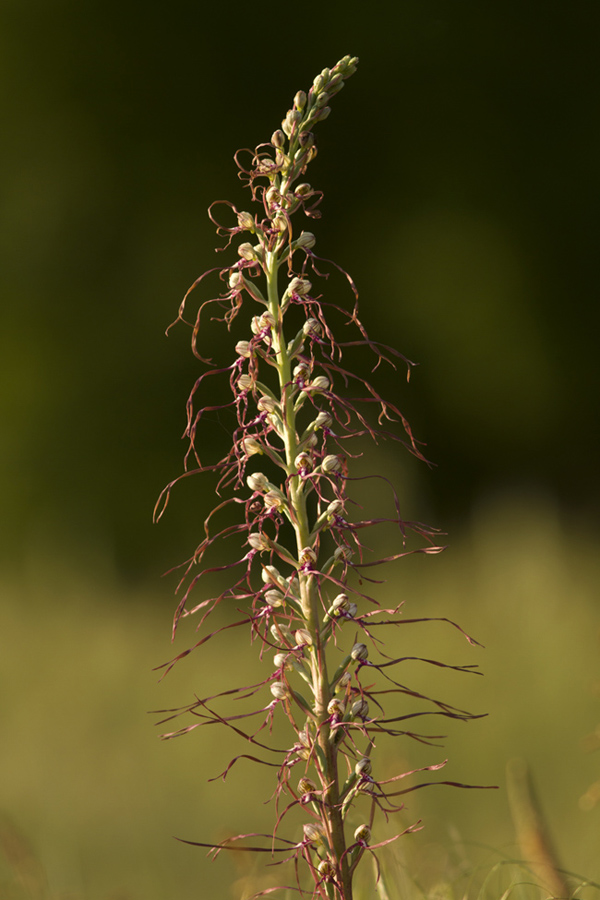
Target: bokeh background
(461, 179)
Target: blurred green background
(461, 179)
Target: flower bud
(323, 113)
(245, 382)
(300, 286)
(301, 372)
(280, 222)
(306, 139)
(311, 441)
(304, 738)
(335, 507)
(322, 100)
(257, 481)
(314, 832)
(244, 348)
(251, 446)
(266, 404)
(273, 500)
(300, 100)
(363, 767)
(360, 708)
(246, 221)
(318, 384)
(258, 541)
(351, 610)
(323, 420)
(303, 190)
(343, 682)
(359, 652)
(362, 834)
(280, 690)
(306, 241)
(274, 598)
(312, 327)
(331, 463)
(318, 84)
(278, 138)
(303, 637)
(246, 251)
(271, 575)
(340, 603)
(280, 633)
(343, 553)
(235, 279)
(325, 869)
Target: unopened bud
(325, 869)
(271, 575)
(281, 661)
(273, 500)
(280, 633)
(306, 785)
(245, 382)
(331, 463)
(318, 84)
(303, 637)
(303, 462)
(257, 481)
(300, 100)
(258, 541)
(274, 598)
(250, 445)
(306, 139)
(301, 372)
(300, 286)
(303, 190)
(323, 420)
(266, 404)
(235, 279)
(343, 553)
(246, 221)
(363, 767)
(280, 690)
(312, 327)
(335, 507)
(280, 222)
(359, 652)
(306, 241)
(320, 383)
(340, 603)
(246, 251)
(278, 138)
(244, 348)
(314, 832)
(360, 708)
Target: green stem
(308, 589)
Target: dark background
(460, 169)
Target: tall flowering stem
(302, 559)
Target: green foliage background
(461, 191)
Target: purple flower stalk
(303, 554)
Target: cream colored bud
(300, 100)
(359, 652)
(314, 832)
(246, 251)
(244, 348)
(318, 83)
(250, 445)
(280, 222)
(362, 834)
(306, 241)
(303, 190)
(343, 682)
(258, 541)
(235, 279)
(335, 707)
(312, 326)
(343, 553)
(301, 372)
(280, 690)
(274, 598)
(340, 603)
(363, 767)
(266, 404)
(273, 500)
(311, 441)
(272, 196)
(257, 481)
(335, 507)
(325, 869)
(351, 610)
(360, 708)
(300, 286)
(303, 637)
(246, 221)
(318, 384)
(281, 661)
(323, 420)
(280, 633)
(331, 463)
(245, 382)
(271, 575)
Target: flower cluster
(297, 409)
